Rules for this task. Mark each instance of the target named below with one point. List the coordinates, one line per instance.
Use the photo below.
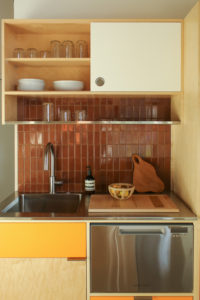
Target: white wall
(7, 157)
(102, 8)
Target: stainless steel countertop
(185, 213)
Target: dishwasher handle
(141, 230)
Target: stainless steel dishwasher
(141, 258)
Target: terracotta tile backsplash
(135, 108)
(107, 148)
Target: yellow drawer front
(112, 298)
(172, 298)
(42, 240)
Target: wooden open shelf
(86, 93)
(38, 34)
(96, 122)
(50, 62)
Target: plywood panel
(43, 240)
(136, 203)
(185, 138)
(42, 279)
(172, 298)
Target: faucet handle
(60, 182)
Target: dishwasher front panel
(156, 258)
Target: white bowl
(68, 85)
(30, 84)
(30, 80)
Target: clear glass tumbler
(65, 115)
(48, 111)
(18, 53)
(55, 48)
(80, 115)
(31, 52)
(44, 54)
(81, 49)
(68, 49)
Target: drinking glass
(148, 111)
(68, 49)
(154, 112)
(48, 111)
(65, 115)
(55, 48)
(44, 53)
(31, 52)
(81, 48)
(80, 115)
(18, 52)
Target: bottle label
(90, 185)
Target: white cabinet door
(136, 56)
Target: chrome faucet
(52, 180)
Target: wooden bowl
(121, 191)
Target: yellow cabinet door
(43, 239)
(112, 298)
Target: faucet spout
(49, 148)
(52, 182)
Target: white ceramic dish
(68, 85)
(31, 84)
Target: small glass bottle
(89, 182)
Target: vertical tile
(107, 148)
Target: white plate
(68, 85)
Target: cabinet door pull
(76, 258)
(99, 81)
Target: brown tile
(109, 151)
(115, 137)
(103, 138)
(122, 137)
(109, 163)
(122, 150)
(108, 148)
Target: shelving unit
(38, 34)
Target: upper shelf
(49, 62)
(45, 26)
(85, 93)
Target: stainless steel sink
(45, 203)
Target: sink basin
(45, 203)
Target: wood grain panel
(136, 203)
(43, 240)
(172, 298)
(42, 279)
(185, 138)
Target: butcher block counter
(181, 212)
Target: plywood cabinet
(136, 56)
(132, 57)
(42, 279)
(171, 298)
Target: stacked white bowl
(31, 84)
(68, 85)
